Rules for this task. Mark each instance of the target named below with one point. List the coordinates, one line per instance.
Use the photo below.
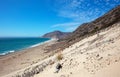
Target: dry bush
(59, 56)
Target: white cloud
(71, 26)
(83, 10)
(66, 24)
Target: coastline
(26, 57)
(87, 58)
(21, 49)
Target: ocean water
(9, 45)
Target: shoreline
(84, 58)
(22, 49)
(27, 57)
(6, 52)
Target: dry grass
(59, 56)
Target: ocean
(9, 45)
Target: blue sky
(32, 18)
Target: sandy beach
(94, 56)
(19, 60)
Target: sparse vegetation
(59, 56)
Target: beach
(94, 56)
(27, 57)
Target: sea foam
(7, 52)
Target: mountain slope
(91, 57)
(56, 34)
(87, 29)
(105, 21)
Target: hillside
(88, 29)
(56, 34)
(91, 57)
(108, 19)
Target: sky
(33, 18)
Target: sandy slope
(95, 56)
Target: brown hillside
(87, 29)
